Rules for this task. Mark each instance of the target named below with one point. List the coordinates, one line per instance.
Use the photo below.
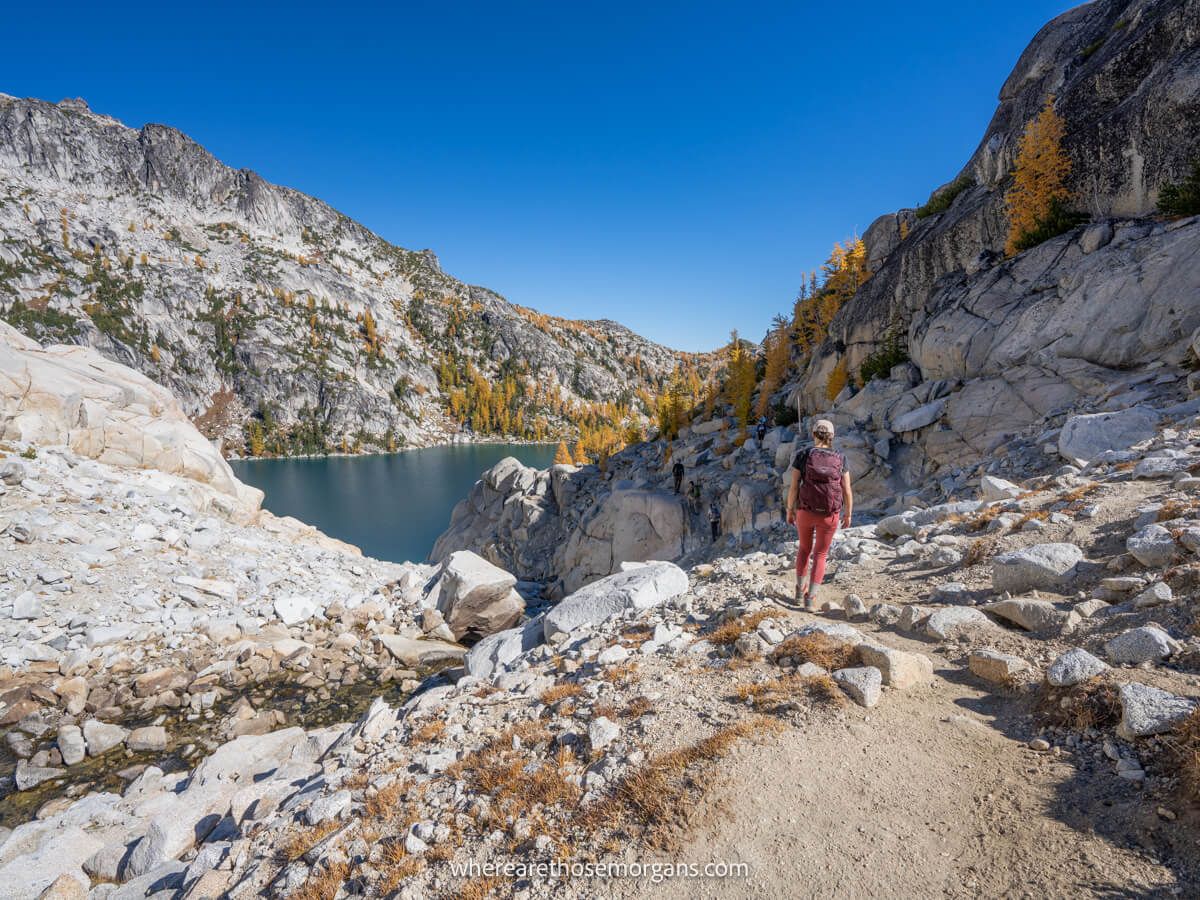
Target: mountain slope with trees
(1060, 259)
(282, 325)
(1053, 277)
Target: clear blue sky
(674, 166)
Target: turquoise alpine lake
(392, 506)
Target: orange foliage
(1040, 176)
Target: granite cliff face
(1001, 352)
(998, 345)
(245, 298)
(570, 525)
(75, 398)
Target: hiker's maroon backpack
(821, 490)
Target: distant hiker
(819, 498)
(761, 431)
(677, 472)
(714, 519)
(693, 496)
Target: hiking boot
(810, 600)
(801, 589)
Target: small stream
(393, 506)
(306, 706)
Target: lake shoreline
(484, 442)
(392, 506)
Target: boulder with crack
(642, 588)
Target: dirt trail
(933, 793)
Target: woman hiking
(818, 500)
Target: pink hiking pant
(816, 534)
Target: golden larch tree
(841, 276)
(258, 444)
(778, 347)
(1039, 177)
(838, 379)
(672, 407)
(739, 381)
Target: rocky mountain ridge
(999, 695)
(997, 344)
(249, 300)
(996, 355)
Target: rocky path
(990, 703)
(930, 794)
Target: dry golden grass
(1076, 494)
(325, 884)
(823, 690)
(781, 694)
(508, 778)
(1092, 704)
(530, 733)
(756, 689)
(1175, 509)
(979, 550)
(658, 797)
(1183, 745)
(1124, 467)
(443, 852)
(479, 889)
(396, 866)
(387, 804)
(1039, 515)
(394, 852)
(506, 775)
(561, 691)
(564, 757)
(430, 731)
(621, 675)
(300, 842)
(730, 631)
(637, 707)
(604, 709)
(817, 648)
(636, 634)
(985, 518)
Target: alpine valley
(280, 324)
(996, 692)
